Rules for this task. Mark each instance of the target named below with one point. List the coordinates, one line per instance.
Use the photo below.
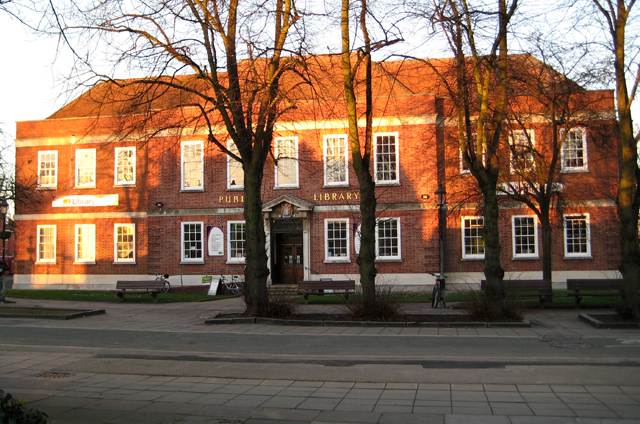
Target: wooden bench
(526, 288)
(321, 288)
(152, 287)
(602, 287)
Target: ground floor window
(472, 240)
(336, 239)
(46, 243)
(86, 243)
(125, 242)
(525, 236)
(388, 238)
(236, 241)
(577, 239)
(192, 242)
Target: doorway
(288, 253)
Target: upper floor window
(525, 236)
(125, 243)
(336, 239)
(86, 168)
(388, 238)
(192, 238)
(86, 243)
(125, 171)
(577, 237)
(574, 150)
(472, 240)
(522, 148)
(236, 241)
(48, 168)
(386, 160)
(235, 173)
(46, 243)
(286, 153)
(335, 160)
(192, 169)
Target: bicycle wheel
(166, 287)
(435, 296)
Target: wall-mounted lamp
(159, 205)
(425, 196)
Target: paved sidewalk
(52, 379)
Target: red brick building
(114, 205)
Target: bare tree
(477, 84)
(206, 65)
(615, 19)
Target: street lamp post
(441, 201)
(4, 207)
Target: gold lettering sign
(335, 196)
(231, 199)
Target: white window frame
(54, 184)
(79, 152)
(183, 178)
(230, 251)
(327, 254)
(564, 136)
(534, 255)
(464, 227)
(118, 165)
(530, 141)
(116, 241)
(295, 166)
(91, 245)
(183, 257)
(399, 238)
(344, 159)
(396, 162)
(235, 173)
(584, 255)
(39, 258)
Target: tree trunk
(367, 257)
(493, 271)
(545, 227)
(256, 272)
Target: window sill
(84, 263)
(525, 258)
(577, 257)
(478, 259)
(236, 188)
(45, 263)
(297, 187)
(341, 185)
(124, 263)
(84, 187)
(46, 188)
(338, 261)
(388, 184)
(574, 170)
(399, 260)
(133, 185)
(192, 190)
(236, 262)
(191, 262)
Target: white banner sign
(85, 200)
(215, 241)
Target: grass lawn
(105, 296)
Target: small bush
(387, 306)
(15, 412)
(477, 307)
(280, 304)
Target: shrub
(387, 306)
(15, 412)
(280, 304)
(478, 309)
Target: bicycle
(166, 285)
(437, 294)
(235, 286)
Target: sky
(28, 88)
